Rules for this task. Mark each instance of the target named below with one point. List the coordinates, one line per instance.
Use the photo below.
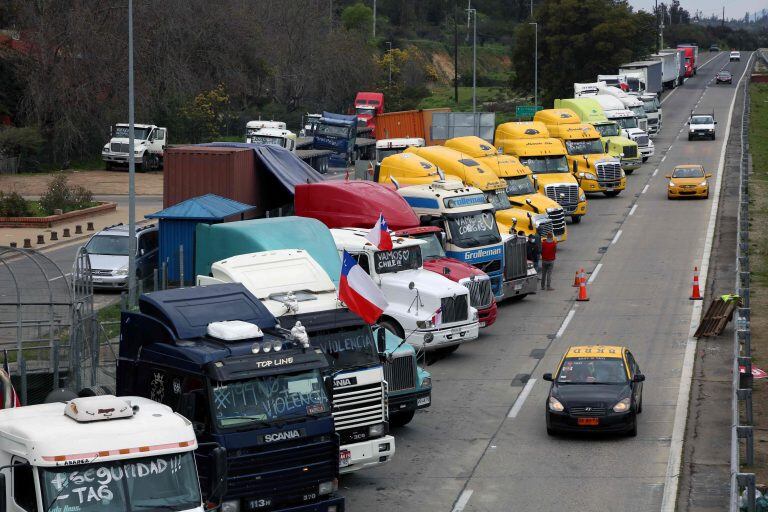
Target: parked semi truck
(670, 68)
(595, 170)
(216, 355)
(368, 105)
(628, 101)
(679, 54)
(546, 157)
(294, 287)
(643, 76)
(103, 453)
(149, 143)
(318, 159)
(614, 110)
(520, 190)
(614, 143)
(339, 133)
(389, 147)
(691, 58)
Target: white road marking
(600, 265)
(55, 278)
(665, 156)
(567, 320)
(616, 237)
(520, 401)
(462, 501)
(632, 211)
(655, 172)
(671, 481)
(645, 189)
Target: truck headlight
(475, 316)
(582, 197)
(426, 382)
(621, 406)
(328, 487)
(555, 405)
(424, 324)
(230, 506)
(122, 271)
(588, 176)
(376, 430)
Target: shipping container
(679, 60)
(670, 68)
(408, 123)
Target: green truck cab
(590, 111)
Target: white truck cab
(628, 101)
(116, 454)
(149, 143)
(653, 110)
(389, 147)
(274, 136)
(430, 311)
(627, 121)
(251, 127)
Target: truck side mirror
(575, 166)
(425, 220)
(218, 474)
(188, 405)
(381, 340)
(442, 237)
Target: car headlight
(588, 176)
(230, 506)
(703, 183)
(122, 271)
(671, 185)
(426, 382)
(376, 430)
(328, 487)
(622, 405)
(555, 405)
(582, 197)
(424, 324)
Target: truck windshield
(584, 147)
(519, 186)
(268, 399)
(266, 139)
(651, 105)
(147, 484)
(331, 130)
(365, 111)
(626, 122)
(608, 130)
(397, 260)
(350, 347)
(138, 133)
(381, 154)
(473, 229)
(638, 111)
(499, 199)
(108, 244)
(433, 249)
(545, 164)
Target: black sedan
(723, 77)
(597, 388)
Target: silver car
(108, 255)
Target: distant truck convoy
(149, 142)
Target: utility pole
(374, 19)
(723, 22)
(131, 169)
(389, 43)
(473, 14)
(535, 63)
(455, 53)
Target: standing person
(548, 251)
(533, 252)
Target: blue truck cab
(338, 133)
(217, 356)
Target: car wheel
(551, 432)
(400, 419)
(669, 196)
(576, 219)
(393, 327)
(645, 159)
(640, 405)
(706, 196)
(613, 193)
(690, 138)
(633, 431)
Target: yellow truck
(520, 189)
(546, 157)
(593, 168)
(472, 173)
(406, 169)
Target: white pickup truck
(149, 143)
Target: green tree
(579, 39)
(357, 17)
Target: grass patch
(109, 317)
(758, 145)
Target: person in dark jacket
(533, 251)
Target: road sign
(527, 110)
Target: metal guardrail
(742, 336)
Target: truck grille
(629, 151)
(515, 259)
(566, 196)
(480, 294)
(357, 406)
(587, 411)
(119, 147)
(608, 173)
(400, 373)
(545, 227)
(642, 140)
(557, 216)
(252, 472)
(454, 309)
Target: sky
(733, 8)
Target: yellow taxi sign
(595, 351)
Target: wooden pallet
(717, 317)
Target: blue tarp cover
(209, 207)
(339, 119)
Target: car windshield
(499, 199)
(473, 229)
(702, 120)
(608, 130)
(724, 74)
(592, 370)
(639, 111)
(519, 185)
(146, 484)
(688, 172)
(332, 130)
(584, 147)
(138, 133)
(108, 244)
(269, 398)
(546, 164)
(266, 139)
(397, 260)
(432, 249)
(626, 122)
(349, 347)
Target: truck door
(158, 144)
(23, 483)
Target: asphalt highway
(483, 446)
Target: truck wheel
(447, 350)
(628, 171)
(108, 166)
(151, 162)
(393, 327)
(690, 138)
(613, 193)
(576, 219)
(400, 419)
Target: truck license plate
(424, 400)
(482, 324)
(456, 330)
(609, 189)
(518, 287)
(345, 457)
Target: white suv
(735, 56)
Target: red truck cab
(367, 106)
(357, 204)
(690, 59)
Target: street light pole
(473, 14)
(131, 169)
(389, 43)
(374, 19)
(535, 63)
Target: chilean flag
(437, 318)
(358, 291)
(379, 235)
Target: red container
(192, 171)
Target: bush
(20, 141)
(13, 205)
(60, 196)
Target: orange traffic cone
(576, 280)
(582, 288)
(696, 293)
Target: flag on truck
(379, 235)
(437, 318)
(358, 291)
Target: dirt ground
(101, 183)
